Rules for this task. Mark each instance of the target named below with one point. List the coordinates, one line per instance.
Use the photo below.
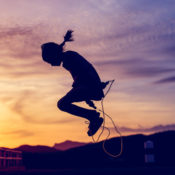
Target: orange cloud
(19, 133)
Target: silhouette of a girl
(86, 86)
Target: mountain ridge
(68, 144)
(93, 155)
(62, 146)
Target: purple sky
(131, 41)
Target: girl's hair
(51, 50)
(67, 37)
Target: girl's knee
(62, 105)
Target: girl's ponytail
(67, 38)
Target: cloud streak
(166, 80)
(20, 51)
(29, 101)
(22, 41)
(19, 133)
(137, 67)
(156, 128)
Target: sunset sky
(131, 41)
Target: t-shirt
(83, 73)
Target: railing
(10, 159)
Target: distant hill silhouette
(92, 155)
(36, 149)
(57, 147)
(68, 144)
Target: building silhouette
(10, 159)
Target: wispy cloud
(166, 80)
(20, 51)
(19, 133)
(18, 105)
(149, 71)
(8, 33)
(156, 128)
(138, 67)
(22, 41)
(28, 106)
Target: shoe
(94, 119)
(94, 126)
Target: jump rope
(102, 110)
